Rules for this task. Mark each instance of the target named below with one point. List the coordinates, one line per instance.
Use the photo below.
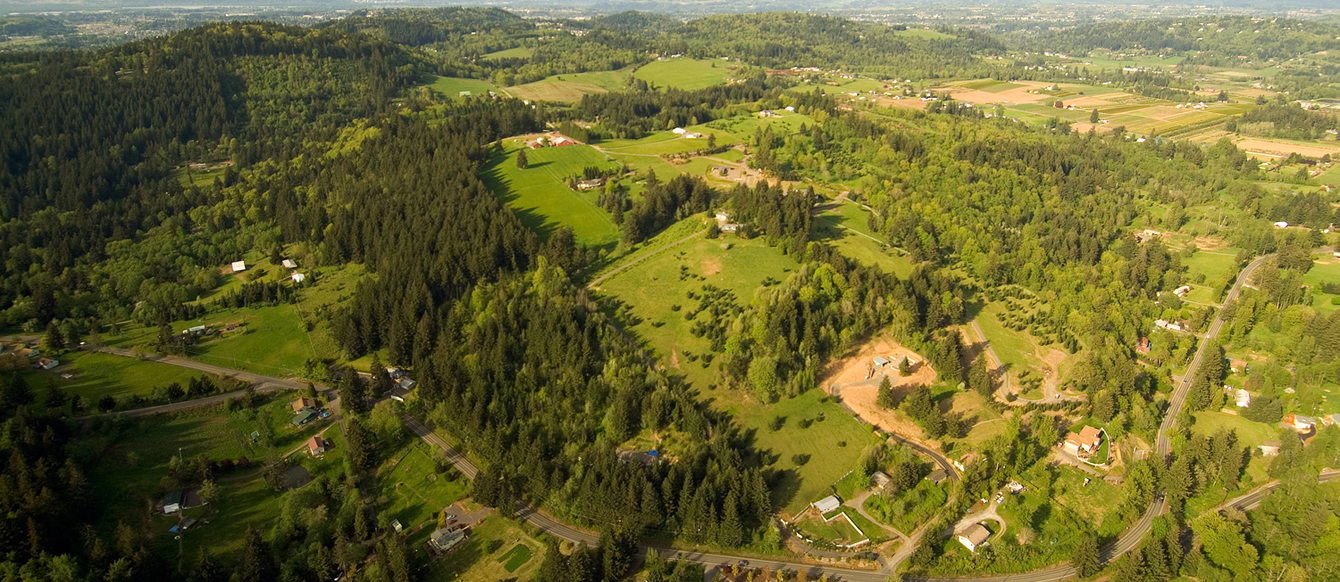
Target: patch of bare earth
(856, 381)
(711, 266)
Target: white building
(239, 266)
(827, 504)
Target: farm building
(974, 537)
(880, 361)
(1269, 448)
(1182, 291)
(239, 266)
(289, 264)
(678, 131)
(827, 504)
(590, 184)
(1085, 442)
(316, 446)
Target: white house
(1242, 398)
(1182, 291)
(239, 266)
(974, 537)
(299, 277)
(1281, 224)
(677, 131)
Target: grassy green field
(1093, 502)
(812, 458)
(652, 288)
(452, 87)
(1013, 347)
(540, 196)
(846, 228)
(135, 456)
(907, 510)
(273, 341)
(685, 73)
(489, 554)
(743, 127)
(97, 375)
(414, 489)
(1325, 268)
(571, 87)
(520, 52)
(1249, 432)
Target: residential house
(590, 184)
(1143, 345)
(47, 363)
(1242, 398)
(172, 501)
(881, 479)
(444, 538)
(1085, 442)
(827, 504)
(302, 403)
(406, 384)
(678, 131)
(316, 446)
(305, 416)
(1269, 448)
(1015, 487)
(1301, 424)
(1330, 419)
(938, 476)
(974, 537)
(298, 277)
(239, 266)
(1182, 291)
(396, 373)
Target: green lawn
(1325, 269)
(540, 195)
(846, 228)
(1012, 347)
(1249, 432)
(489, 554)
(413, 488)
(685, 73)
(1216, 266)
(652, 288)
(907, 510)
(453, 87)
(1094, 502)
(273, 341)
(744, 127)
(520, 52)
(97, 375)
(811, 458)
(515, 557)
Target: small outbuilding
(289, 264)
(937, 476)
(302, 403)
(298, 277)
(172, 501)
(1242, 398)
(304, 417)
(827, 504)
(239, 266)
(1269, 448)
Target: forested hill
(418, 27)
(91, 140)
(1210, 41)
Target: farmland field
(572, 86)
(540, 196)
(452, 87)
(685, 73)
(656, 291)
(845, 227)
(520, 52)
(1325, 269)
(97, 375)
(817, 444)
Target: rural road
(262, 384)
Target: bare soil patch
(711, 266)
(1280, 149)
(852, 380)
